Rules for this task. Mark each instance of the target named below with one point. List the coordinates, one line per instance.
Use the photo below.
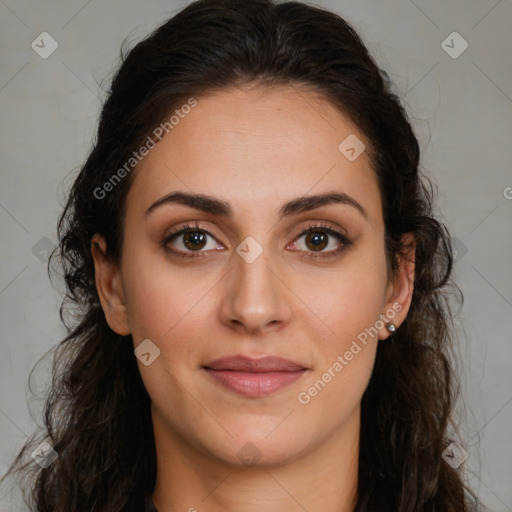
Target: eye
(317, 239)
(192, 239)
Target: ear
(400, 288)
(109, 285)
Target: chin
(250, 449)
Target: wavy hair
(97, 410)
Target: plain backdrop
(460, 103)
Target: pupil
(318, 239)
(193, 238)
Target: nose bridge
(255, 296)
(253, 267)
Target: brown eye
(189, 240)
(316, 240)
(194, 240)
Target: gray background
(461, 110)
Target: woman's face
(247, 281)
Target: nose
(256, 297)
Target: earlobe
(400, 289)
(109, 286)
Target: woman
(262, 284)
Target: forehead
(256, 148)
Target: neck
(191, 480)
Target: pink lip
(254, 377)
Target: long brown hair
(97, 413)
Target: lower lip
(255, 384)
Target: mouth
(254, 378)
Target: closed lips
(254, 378)
(252, 365)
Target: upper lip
(254, 365)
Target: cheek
(333, 392)
(349, 350)
(350, 300)
(350, 307)
(161, 296)
(174, 309)
(169, 307)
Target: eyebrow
(221, 208)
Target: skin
(255, 149)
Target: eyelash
(187, 228)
